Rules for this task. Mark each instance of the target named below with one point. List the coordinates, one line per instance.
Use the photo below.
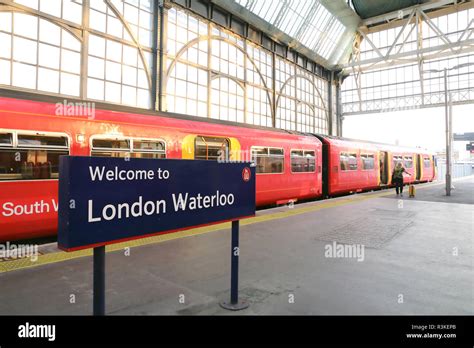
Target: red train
(290, 166)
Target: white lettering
(124, 210)
(14, 251)
(336, 250)
(37, 331)
(97, 173)
(38, 207)
(90, 210)
(184, 201)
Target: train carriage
(352, 166)
(33, 137)
(355, 166)
(290, 166)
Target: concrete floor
(409, 254)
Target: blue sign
(108, 200)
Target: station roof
(322, 30)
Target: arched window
(38, 54)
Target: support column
(339, 117)
(85, 49)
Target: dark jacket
(398, 173)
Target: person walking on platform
(397, 178)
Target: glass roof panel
(309, 22)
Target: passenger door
(383, 161)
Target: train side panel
(29, 207)
(352, 167)
(287, 186)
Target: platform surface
(418, 259)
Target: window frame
(130, 140)
(268, 155)
(427, 158)
(12, 139)
(362, 161)
(207, 155)
(349, 153)
(410, 159)
(14, 146)
(394, 161)
(304, 150)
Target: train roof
(368, 142)
(29, 96)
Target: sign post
(99, 281)
(110, 200)
(234, 304)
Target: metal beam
(372, 45)
(73, 28)
(456, 47)
(85, 50)
(413, 107)
(435, 13)
(415, 11)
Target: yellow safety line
(8, 266)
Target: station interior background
(360, 69)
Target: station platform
(417, 259)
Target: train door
(383, 161)
(211, 148)
(419, 168)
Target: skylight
(309, 22)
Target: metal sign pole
(448, 132)
(234, 304)
(99, 281)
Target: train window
(111, 147)
(426, 162)
(6, 139)
(41, 141)
(36, 156)
(148, 148)
(397, 159)
(303, 161)
(275, 151)
(408, 161)
(348, 161)
(142, 148)
(268, 160)
(148, 145)
(211, 148)
(259, 151)
(368, 161)
(111, 144)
